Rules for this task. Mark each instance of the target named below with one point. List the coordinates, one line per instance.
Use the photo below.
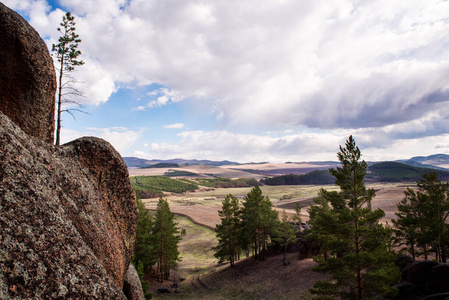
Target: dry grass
(202, 206)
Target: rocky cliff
(67, 214)
(27, 76)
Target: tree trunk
(285, 253)
(59, 108)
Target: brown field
(202, 206)
(202, 171)
(256, 171)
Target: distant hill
(442, 158)
(377, 172)
(145, 163)
(434, 159)
(419, 165)
(397, 171)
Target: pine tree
(228, 231)
(286, 234)
(165, 237)
(143, 251)
(421, 218)
(406, 224)
(67, 53)
(360, 262)
(259, 221)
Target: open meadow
(202, 206)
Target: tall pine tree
(67, 53)
(228, 231)
(143, 251)
(360, 262)
(165, 236)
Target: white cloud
(319, 64)
(163, 96)
(174, 126)
(221, 145)
(377, 69)
(318, 146)
(121, 138)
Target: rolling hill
(135, 162)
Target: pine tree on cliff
(360, 262)
(165, 238)
(67, 53)
(228, 231)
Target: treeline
(221, 182)
(155, 185)
(157, 238)
(161, 165)
(250, 227)
(314, 177)
(179, 173)
(398, 172)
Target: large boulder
(27, 76)
(439, 280)
(132, 286)
(67, 217)
(419, 272)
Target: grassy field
(203, 205)
(195, 247)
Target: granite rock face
(67, 216)
(132, 286)
(27, 77)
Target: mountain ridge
(135, 162)
(430, 161)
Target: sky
(257, 80)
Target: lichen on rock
(68, 218)
(27, 76)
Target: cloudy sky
(258, 80)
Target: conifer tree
(228, 231)
(67, 53)
(143, 250)
(286, 234)
(259, 222)
(165, 237)
(422, 216)
(360, 262)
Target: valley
(197, 212)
